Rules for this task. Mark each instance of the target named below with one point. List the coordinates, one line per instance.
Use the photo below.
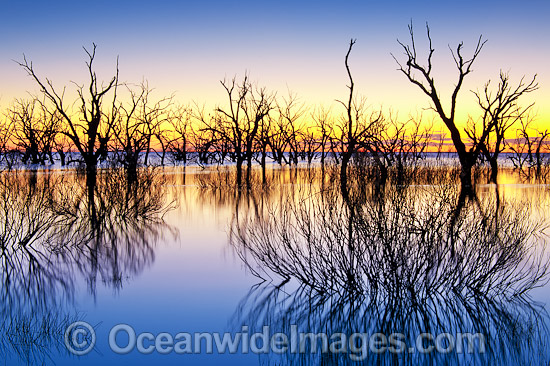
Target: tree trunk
(264, 154)
(62, 157)
(344, 171)
(494, 170)
(466, 175)
(239, 170)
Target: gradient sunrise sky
(186, 47)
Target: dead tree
(180, 120)
(310, 143)
(397, 145)
(153, 116)
(530, 148)
(26, 129)
(62, 145)
(90, 127)
(356, 126)
(262, 144)
(205, 136)
(138, 122)
(325, 132)
(500, 111)
(422, 77)
(51, 122)
(289, 125)
(278, 139)
(240, 121)
(34, 130)
(6, 131)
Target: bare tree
(309, 142)
(90, 129)
(34, 130)
(6, 131)
(205, 136)
(500, 111)
(240, 122)
(325, 131)
(530, 147)
(180, 119)
(52, 124)
(356, 126)
(278, 141)
(422, 77)
(153, 116)
(397, 145)
(62, 145)
(138, 122)
(290, 125)
(26, 129)
(262, 144)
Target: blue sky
(186, 47)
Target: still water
(184, 250)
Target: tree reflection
(55, 231)
(411, 260)
(112, 232)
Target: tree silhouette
(500, 111)
(325, 132)
(356, 127)
(239, 123)
(329, 262)
(6, 131)
(138, 122)
(530, 149)
(26, 129)
(90, 129)
(35, 130)
(180, 120)
(422, 77)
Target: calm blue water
(179, 274)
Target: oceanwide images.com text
(80, 339)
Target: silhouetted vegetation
(531, 155)
(91, 128)
(123, 125)
(354, 262)
(353, 218)
(53, 233)
(34, 340)
(499, 111)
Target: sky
(186, 47)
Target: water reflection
(112, 232)
(375, 258)
(56, 231)
(396, 259)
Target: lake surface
(184, 250)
